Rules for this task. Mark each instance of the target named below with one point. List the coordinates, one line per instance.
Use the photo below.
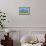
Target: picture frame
(24, 10)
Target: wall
(37, 19)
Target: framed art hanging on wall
(24, 10)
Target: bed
(27, 44)
(32, 40)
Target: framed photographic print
(24, 10)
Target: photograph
(24, 10)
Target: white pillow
(27, 38)
(26, 44)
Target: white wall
(34, 22)
(37, 19)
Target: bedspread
(27, 44)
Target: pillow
(26, 44)
(28, 39)
(24, 39)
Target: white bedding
(27, 44)
(1, 45)
(26, 40)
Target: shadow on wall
(16, 43)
